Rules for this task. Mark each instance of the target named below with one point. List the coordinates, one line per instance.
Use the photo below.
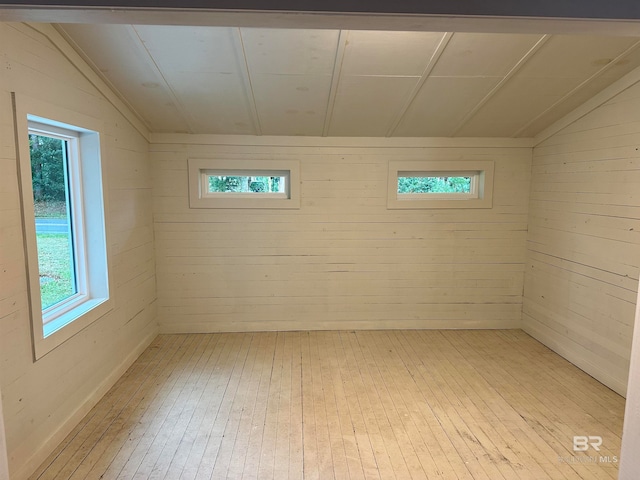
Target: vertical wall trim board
(629, 458)
(4, 460)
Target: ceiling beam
(593, 17)
(591, 9)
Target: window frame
(199, 170)
(58, 323)
(75, 211)
(481, 173)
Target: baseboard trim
(48, 446)
(287, 326)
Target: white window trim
(64, 320)
(199, 169)
(481, 173)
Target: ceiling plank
(441, 103)
(543, 39)
(629, 80)
(111, 92)
(203, 68)
(335, 80)
(366, 105)
(291, 104)
(444, 41)
(76, 57)
(140, 45)
(583, 84)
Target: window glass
(246, 184)
(52, 205)
(434, 184)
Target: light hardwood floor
(491, 404)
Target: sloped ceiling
(224, 80)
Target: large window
(63, 207)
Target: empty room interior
(313, 246)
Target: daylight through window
(230, 183)
(409, 184)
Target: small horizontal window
(440, 184)
(216, 183)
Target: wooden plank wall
(583, 249)
(42, 401)
(343, 260)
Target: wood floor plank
(351, 383)
(345, 405)
(381, 405)
(267, 451)
(371, 409)
(310, 432)
(223, 408)
(283, 427)
(232, 348)
(324, 458)
(175, 453)
(336, 441)
(296, 434)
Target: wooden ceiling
(312, 82)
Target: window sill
(57, 331)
